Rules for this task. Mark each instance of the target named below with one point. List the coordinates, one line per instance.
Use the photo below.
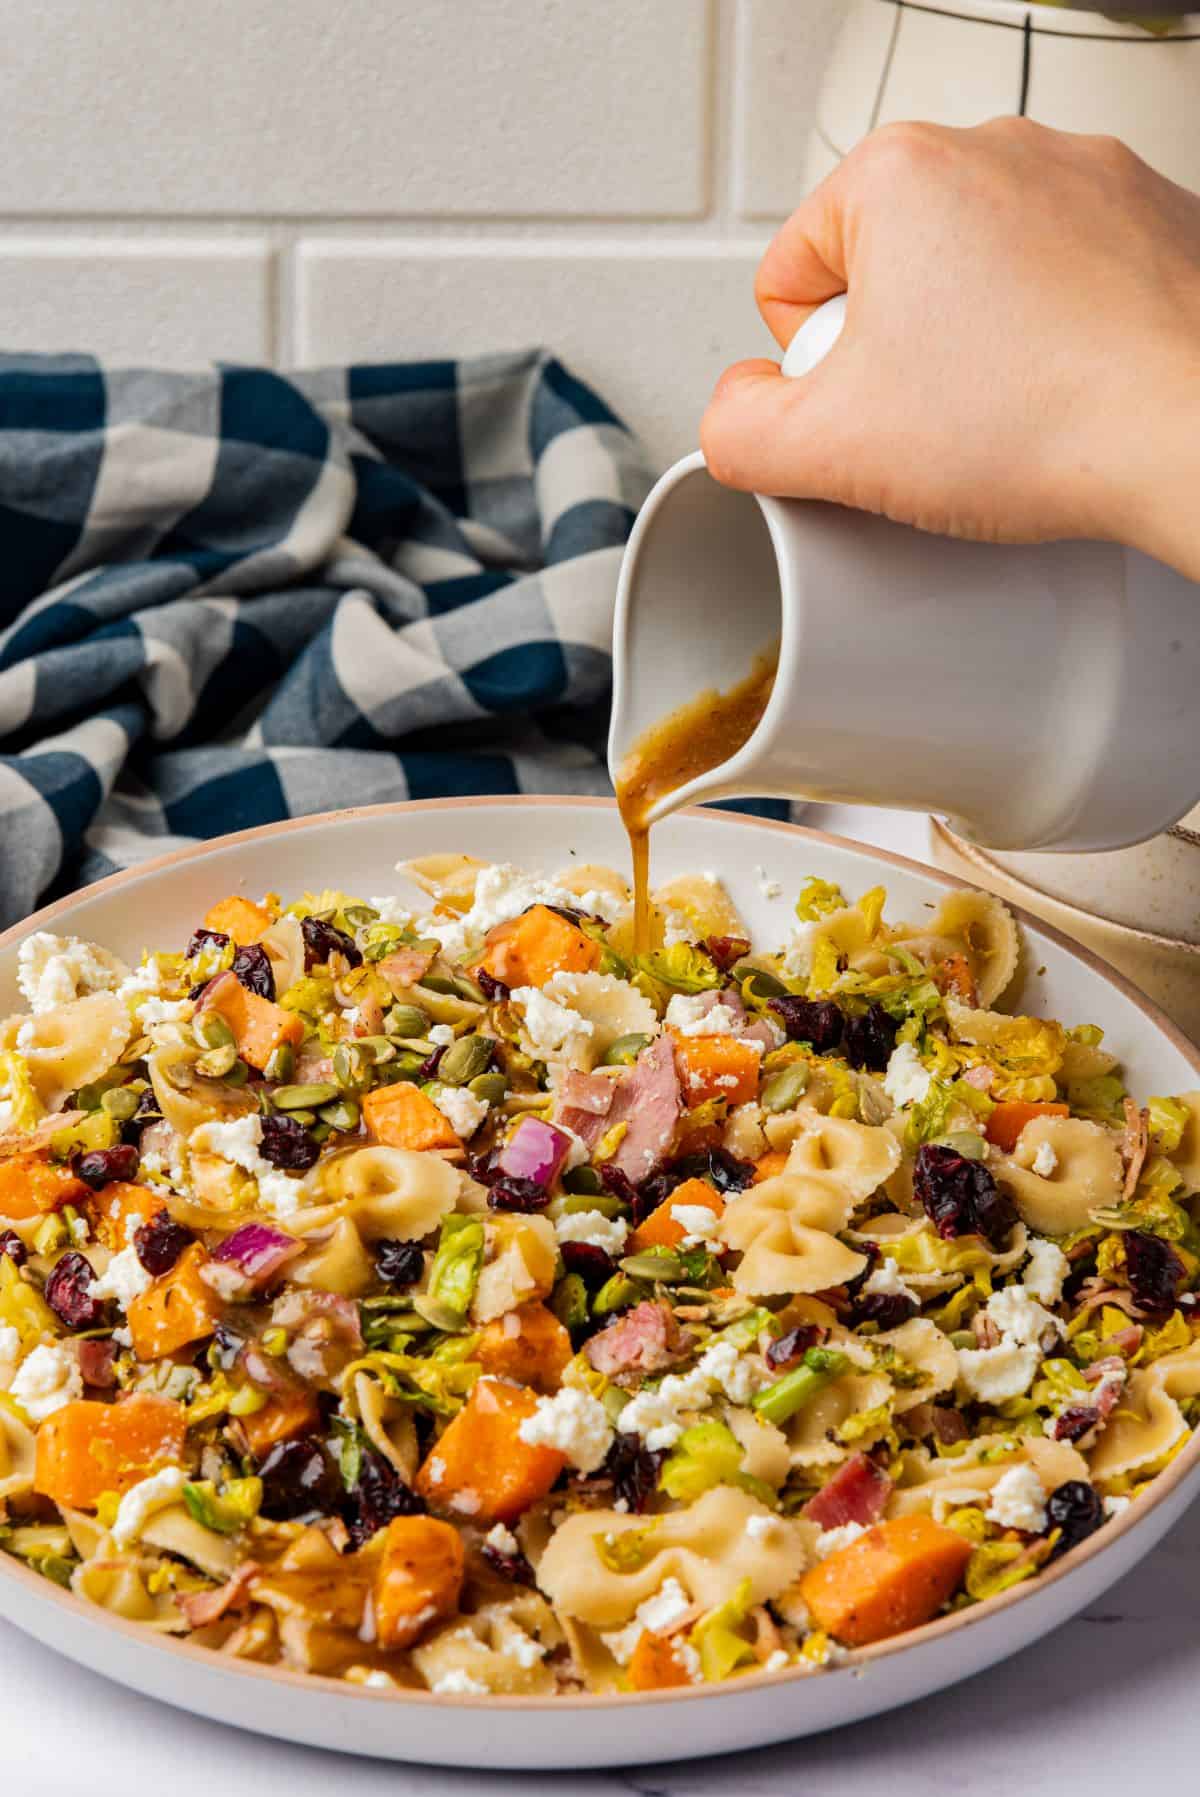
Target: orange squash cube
(239, 918)
(258, 1025)
(419, 1578)
(86, 1447)
(718, 1067)
(535, 946)
(895, 1577)
(402, 1116)
(1004, 1126)
(32, 1186)
(480, 1467)
(528, 1345)
(661, 1229)
(121, 1208)
(177, 1309)
(769, 1165)
(654, 1664)
(285, 1415)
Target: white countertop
(1109, 1701)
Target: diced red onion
(535, 1150)
(257, 1251)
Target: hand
(1021, 357)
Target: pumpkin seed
(465, 1060)
(304, 1098)
(359, 916)
(281, 1064)
(379, 1048)
(756, 982)
(439, 1315)
(604, 1202)
(320, 1132)
(352, 1066)
(120, 1102)
(624, 1051)
(218, 1061)
(307, 1118)
(617, 1293)
(966, 1142)
(406, 1021)
(784, 1089)
(343, 1115)
(583, 1180)
(238, 1074)
(211, 1030)
(492, 1088)
(652, 1266)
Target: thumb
(761, 433)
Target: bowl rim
(850, 1661)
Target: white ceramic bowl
(158, 904)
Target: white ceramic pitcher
(1041, 697)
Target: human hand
(1021, 356)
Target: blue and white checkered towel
(237, 596)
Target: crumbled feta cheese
(163, 1010)
(457, 1683)
(380, 1681)
(575, 1423)
(798, 956)
(53, 970)
(1045, 1270)
(143, 1500)
(1019, 1317)
(775, 1662)
(503, 892)
(123, 1337)
(123, 1279)
(759, 1527)
(503, 1540)
(993, 1374)
(1018, 1501)
(830, 1540)
(592, 1228)
(236, 1141)
(392, 910)
(79, 1230)
(552, 1028)
(770, 889)
(578, 1154)
(886, 1281)
(279, 1192)
(694, 1015)
(10, 1354)
(46, 1380)
(461, 1109)
(1113, 1506)
(148, 978)
(1045, 1160)
(740, 1376)
(516, 1644)
(698, 1223)
(659, 1416)
(659, 1613)
(677, 927)
(441, 1035)
(906, 1080)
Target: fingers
(806, 262)
(757, 435)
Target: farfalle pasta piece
(929, 1264)
(927, 1348)
(338, 1262)
(388, 1193)
(591, 877)
(185, 1100)
(783, 1229)
(386, 1422)
(17, 1456)
(611, 1006)
(851, 933)
(977, 925)
(174, 1530)
(118, 1583)
(522, 1263)
(1087, 1174)
(284, 944)
(1187, 1156)
(941, 1486)
(705, 904)
(501, 1647)
(599, 1565)
(856, 1157)
(766, 1452)
(70, 1046)
(812, 1432)
(1147, 1422)
(448, 878)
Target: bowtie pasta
(426, 1291)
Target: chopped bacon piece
(644, 1340)
(405, 967)
(202, 1607)
(858, 1492)
(980, 1077)
(582, 1104)
(647, 1101)
(1134, 1143)
(725, 950)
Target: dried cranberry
(12, 1245)
(870, 1039)
(147, 1113)
(511, 1193)
(1073, 1423)
(196, 992)
(205, 939)
(322, 940)
(633, 1469)
(592, 1264)
(252, 967)
(1075, 1508)
(960, 1196)
(887, 1309)
(399, 1263)
(815, 1020)
(726, 950)
(429, 1066)
(66, 1292)
(792, 1346)
(287, 1144)
(872, 1254)
(299, 1478)
(97, 1366)
(621, 1186)
(493, 989)
(101, 1165)
(159, 1243)
(514, 1567)
(379, 1495)
(1153, 1269)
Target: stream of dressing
(680, 747)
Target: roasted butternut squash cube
(718, 1067)
(285, 1415)
(528, 1345)
(895, 1577)
(402, 1116)
(86, 1447)
(123, 1207)
(419, 1578)
(661, 1228)
(258, 1025)
(239, 918)
(177, 1309)
(32, 1186)
(480, 1467)
(655, 1665)
(533, 947)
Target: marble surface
(1107, 1699)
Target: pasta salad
(431, 1292)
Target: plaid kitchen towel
(236, 596)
